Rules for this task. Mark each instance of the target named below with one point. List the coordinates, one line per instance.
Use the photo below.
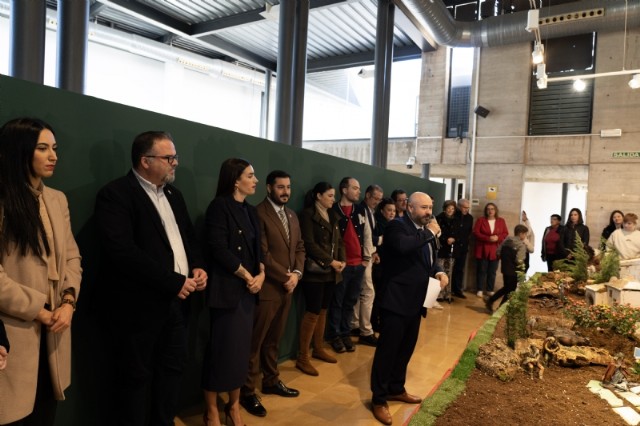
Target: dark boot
(307, 327)
(318, 340)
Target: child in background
(512, 253)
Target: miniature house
(596, 294)
(624, 291)
(630, 268)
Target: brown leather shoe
(381, 413)
(405, 397)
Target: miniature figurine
(616, 374)
(532, 360)
(549, 349)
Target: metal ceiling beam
(95, 9)
(214, 25)
(151, 14)
(255, 15)
(183, 30)
(236, 52)
(361, 59)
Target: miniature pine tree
(609, 266)
(577, 265)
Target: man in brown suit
(284, 262)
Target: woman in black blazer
(325, 261)
(575, 226)
(236, 274)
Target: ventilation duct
(434, 20)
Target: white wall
(540, 200)
(157, 85)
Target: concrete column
(299, 71)
(73, 18)
(27, 36)
(284, 100)
(382, 83)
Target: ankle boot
(307, 326)
(318, 340)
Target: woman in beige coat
(39, 275)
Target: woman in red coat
(490, 231)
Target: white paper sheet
(432, 293)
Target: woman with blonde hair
(626, 240)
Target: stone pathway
(616, 398)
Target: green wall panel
(94, 139)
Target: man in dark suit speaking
(152, 264)
(410, 259)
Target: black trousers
(510, 283)
(150, 370)
(398, 337)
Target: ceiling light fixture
(538, 53)
(578, 80)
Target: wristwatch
(68, 301)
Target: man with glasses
(362, 310)
(151, 265)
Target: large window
(459, 92)
(560, 109)
(339, 103)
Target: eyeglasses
(171, 159)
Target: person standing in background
(616, 219)
(575, 227)
(364, 305)
(235, 264)
(283, 252)
(40, 275)
(553, 242)
(356, 236)
(399, 196)
(512, 254)
(489, 231)
(462, 244)
(386, 212)
(325, 260)
(151, 253)
(530, 241)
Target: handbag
(314, 267)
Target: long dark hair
(21, 222)
(580, 220)
(230, 171)
(312, 195)
(612, 225)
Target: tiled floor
(340, 395)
